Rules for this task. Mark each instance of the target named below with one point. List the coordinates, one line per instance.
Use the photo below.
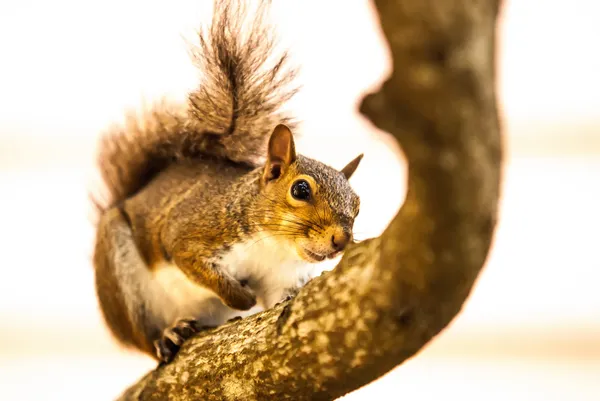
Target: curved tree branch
(389, 295)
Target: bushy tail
(230, 115)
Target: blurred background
(530, 330)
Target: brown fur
(187, 185)
(229, 116)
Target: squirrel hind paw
(173, 338)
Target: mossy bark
(390, 295)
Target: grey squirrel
(210, 211)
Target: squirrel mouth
(314, 256)
(319, 258)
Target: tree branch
(389, 295)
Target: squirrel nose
(339, 240)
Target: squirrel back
(231, 115)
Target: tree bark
(391, 295)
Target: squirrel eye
(301, 190)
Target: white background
(531, 329)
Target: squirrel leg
(173, 338)
(123, 285)
(232, 292)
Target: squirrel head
(309, 205)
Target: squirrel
(209, 210)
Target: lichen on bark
(388, 296)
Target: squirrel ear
(351, 167)
(281, 153)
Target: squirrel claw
(287, 298)
(173, 338)
(291, 293)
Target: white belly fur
(270, 268)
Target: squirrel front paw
(239, 296)
(286, 298)
(173, 338)
(291, 292)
